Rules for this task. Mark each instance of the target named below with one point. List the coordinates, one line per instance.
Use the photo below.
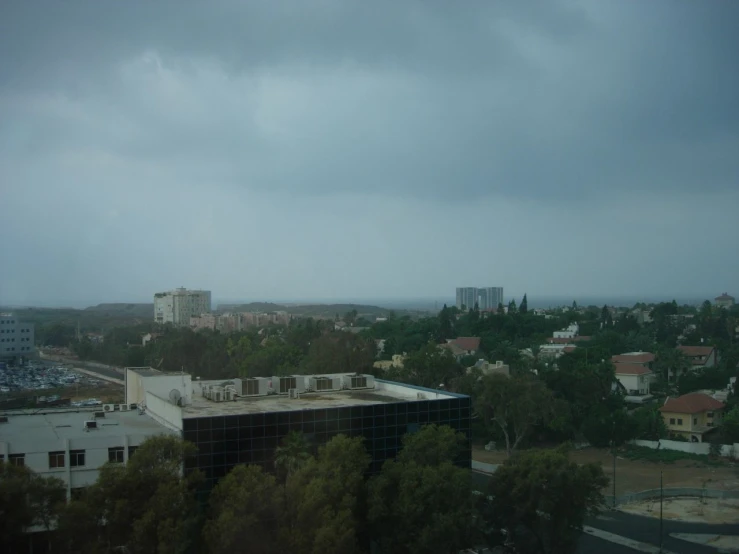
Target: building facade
(72, 444)
(724, 301)
(692, 416)
(179, 305)
(490, 297)
(16, 337)
(486, 298)
(243, 421)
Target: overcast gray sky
(354, 149)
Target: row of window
(3, 331)
(76, 457)
(7, 322)
(13, 340)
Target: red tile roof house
(634, 378)
(642, 358)
(692, 415)
(700, 356)
(463, 346)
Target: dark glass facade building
(223, 441)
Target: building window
(709, 414)
(132, 451)
(115, 455)
(17, 459)
(56, 459)
(679, 421)
(76, 458)
(695, 421)
(672, 421)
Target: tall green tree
(512, 307)
(421, 502)
(430, 367)
(524, 307)
(144, 506)
(246, 508)
(324, 499)
(292, 455)
(26, 500)
(541, 499)
(514, 405)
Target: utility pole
(660, 512)
(613, 450)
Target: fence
(653, 494)
(727, 450)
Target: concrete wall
(728, 450)
(164, 412)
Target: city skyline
(390, 152)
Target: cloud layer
(353, 149)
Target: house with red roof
(462, 346)
(634, 378)
(700, 356)
(692, 415)
(724, 301)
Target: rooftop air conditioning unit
(320, 383)
(133, 406)
(123, 407)
(421, 396)
(282, 385)
(98, 415)
(359, 381)
(293, 393)
(255, 386)
(91, 425)
(109, 407)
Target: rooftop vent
(98, 415)
(91, 425)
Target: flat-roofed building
(73, 444)
(243, 421)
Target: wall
(164, 412)
(727, 450)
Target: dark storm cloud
(532, 99)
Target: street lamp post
(660, 511)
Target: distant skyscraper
(486, 298)
(467, 297)
(179, 305)
(490, 297)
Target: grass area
(633, 452)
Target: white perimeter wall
(728, 450)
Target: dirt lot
(708, 510)
(639, 475)
(105, 392)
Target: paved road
(638, 528)
(646, 530)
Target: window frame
(55, 456)
(74, 458)
(114, 451)
(18, 460)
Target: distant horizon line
(406, 301)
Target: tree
(292, 455)
(422, 502)
(650, 425)
(524, 307)
(339, 352)
(541, 499)
(670, 364)
(730, 426)
(26, 500)
(512, 307)
(323, 499)
(145, 506)
(514, 405)
(245, 509)
(430, 367)
(609, 428)
(445, 324)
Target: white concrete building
(634, 378)
(570, 332)
(73, 444)
(16, 337)
(179, 305)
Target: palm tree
(293, 454)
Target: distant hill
(307, 310)
(132, 310)
(252, 307)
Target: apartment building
(486, 298)
(16, 337)
(179, 305)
